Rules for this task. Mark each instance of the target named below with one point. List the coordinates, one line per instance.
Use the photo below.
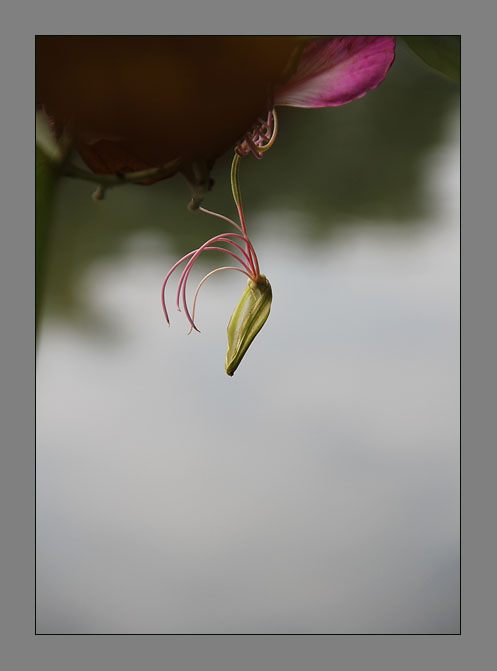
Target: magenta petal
(336, 70)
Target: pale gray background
(317, 491)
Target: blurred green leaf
(46, 178)
(45, 138)
(441, 52)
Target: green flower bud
(247, 320)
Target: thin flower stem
(237, 197)
(235, 185)
(275, 132)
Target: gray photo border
(21, 649)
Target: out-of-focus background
(316, 491)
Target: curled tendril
(260, 137)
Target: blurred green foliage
(364, 161)
(441, 52)
(46, 182)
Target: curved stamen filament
(206, 277)
(221, 216)
(190, 254)
(246, 257)
(196, 253)
(247, 267)
(181, 291)
(237, 197)
(186, 271)
(240, 248)
(163, 291)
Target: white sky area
(316, 491)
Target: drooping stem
(271, 117)
(235, 184)
(246, 257)
(237, 197)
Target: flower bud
(247, 320)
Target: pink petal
(336, 70)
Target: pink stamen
(190, 254)
(184, 276)
(247, 258)
(250, 249)
(220, 216)
(240, 228)
(203, 280)
(186, 271)
(196, 253)
(253, 257)
(239, 247)
(171, 271)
